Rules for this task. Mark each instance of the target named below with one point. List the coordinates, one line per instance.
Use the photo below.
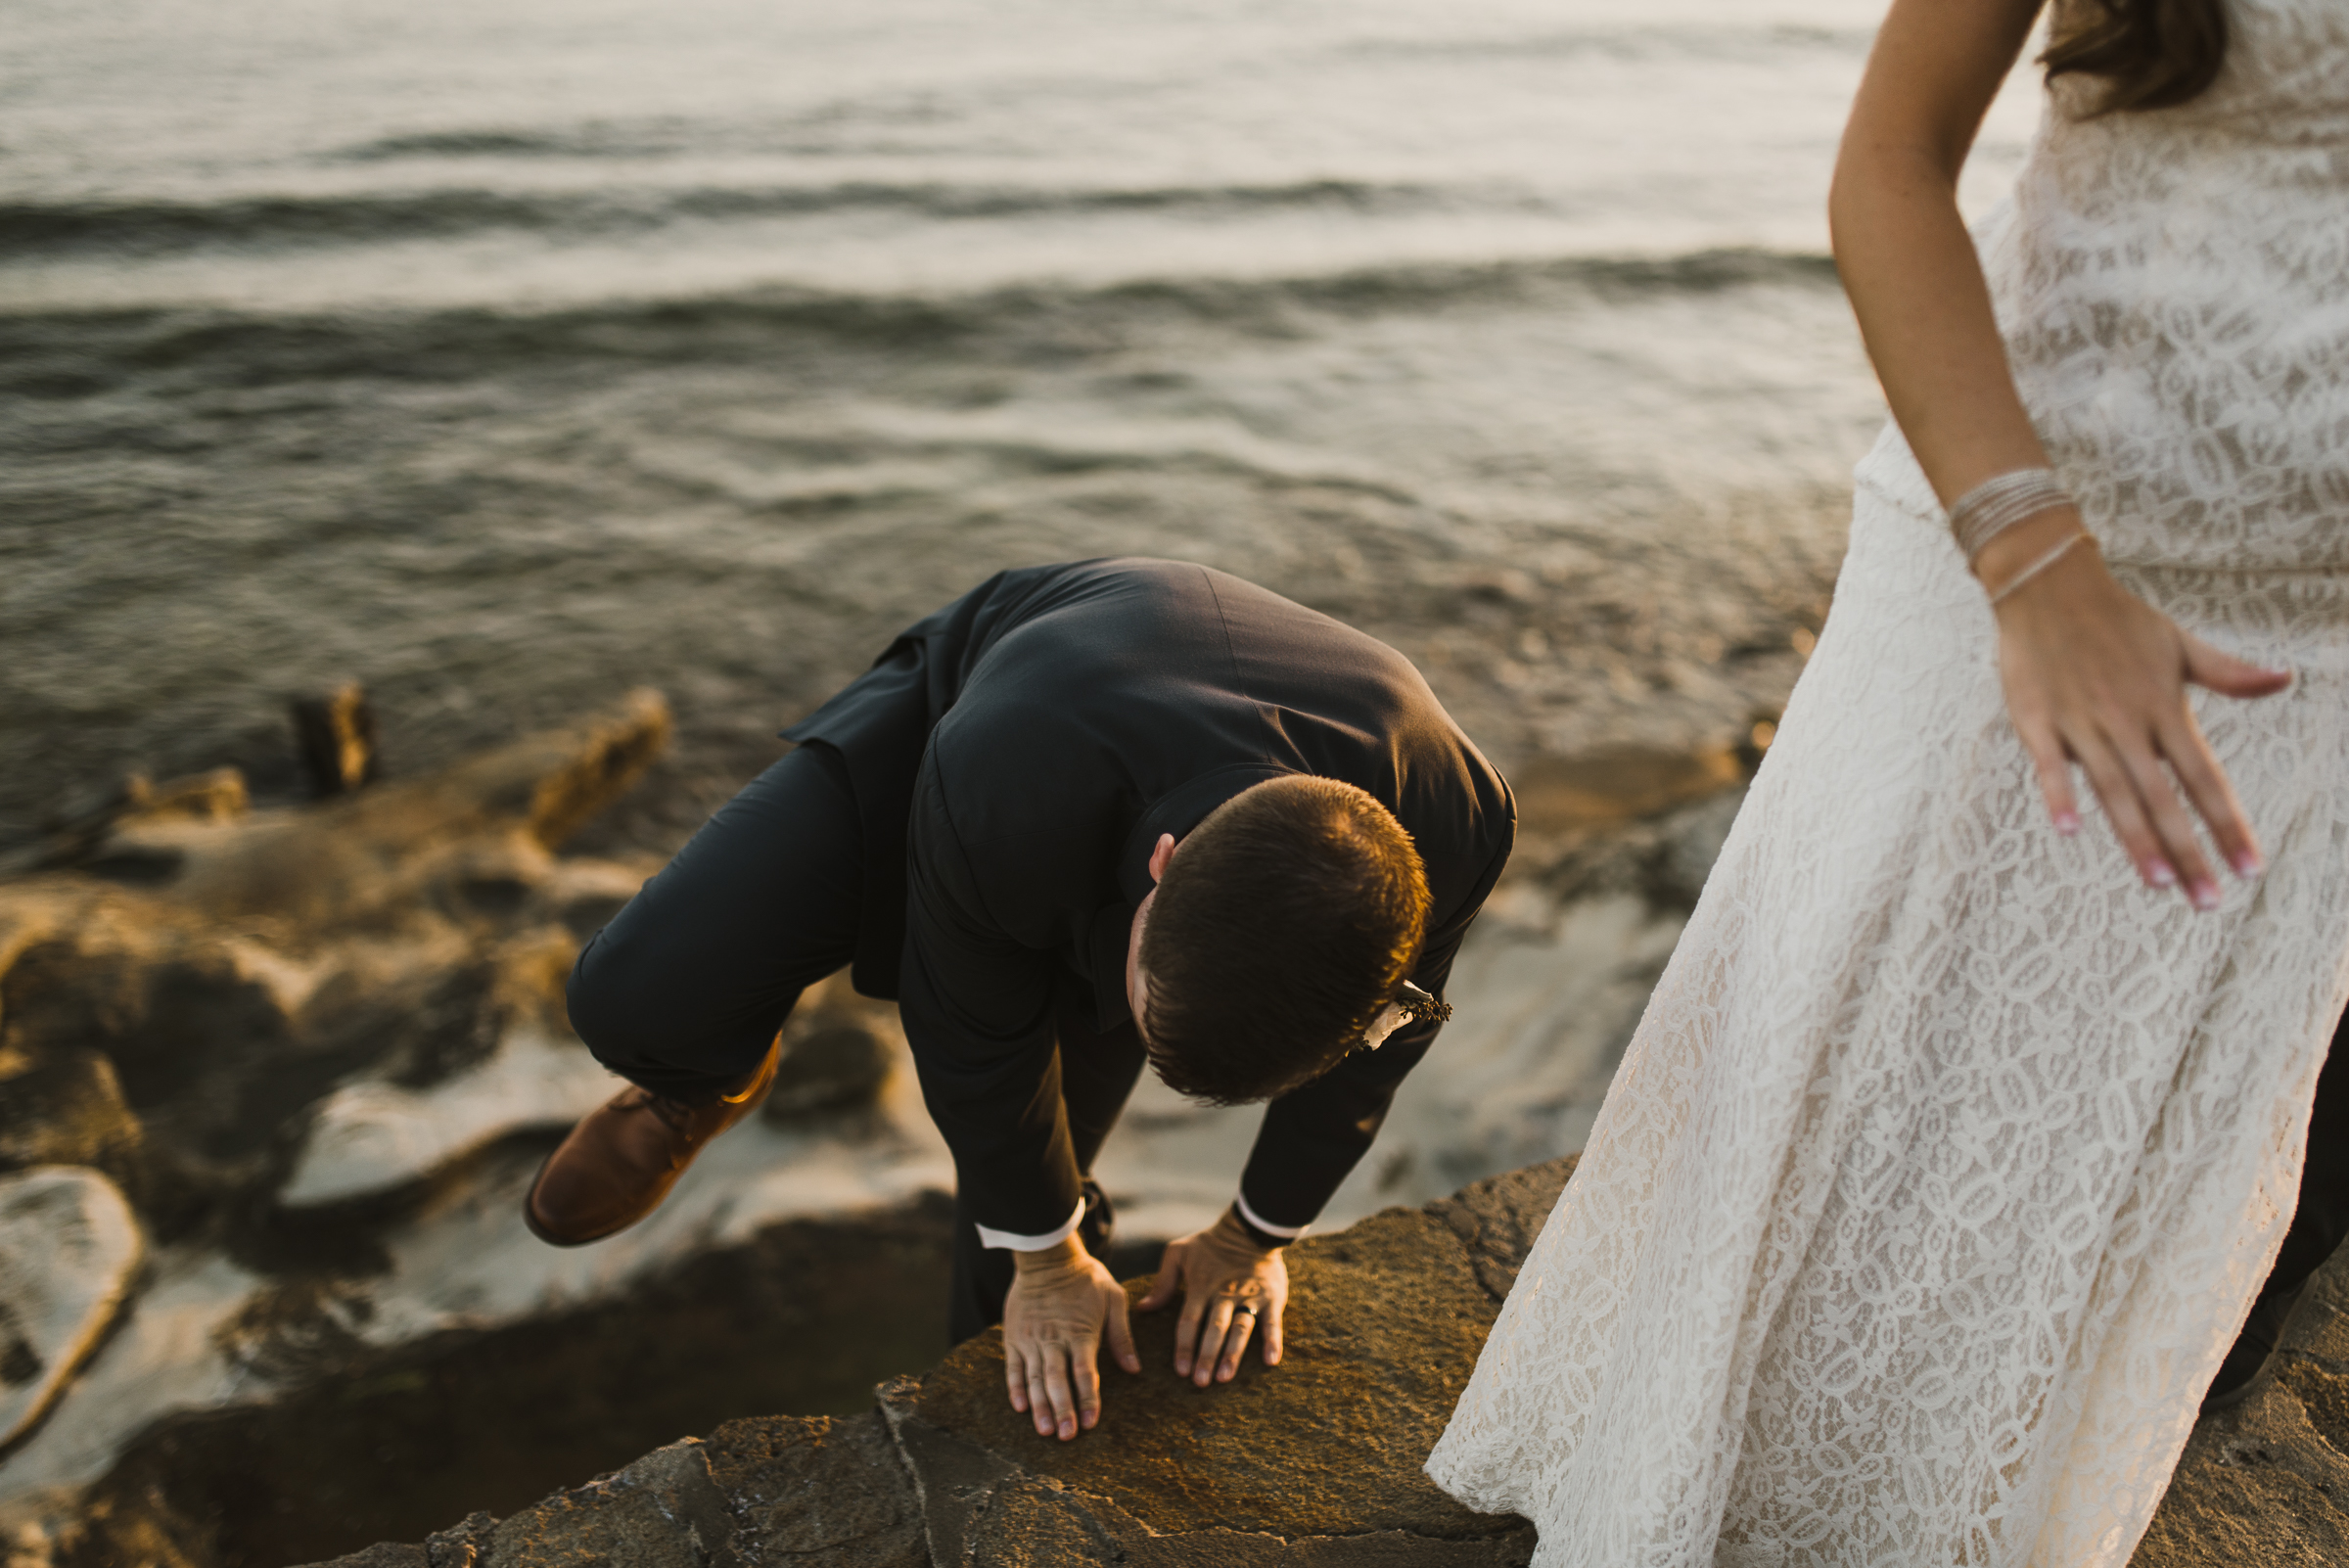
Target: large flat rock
(1317, 1462)
(1383, 1323)
(1313, 1464)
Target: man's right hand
(1052, 1327)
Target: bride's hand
(2096, 675)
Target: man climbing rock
(1084, 818)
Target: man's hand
(1053, 1321)
(1222, 1273)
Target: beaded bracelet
(1998, 505)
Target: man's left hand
(1231, 1288)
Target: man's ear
(1159, 854)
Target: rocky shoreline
(273, 1076)
(272, 1079)
(1313, 1462)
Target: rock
(460, 1546)
(182, 991)
(1617, 784)
(380, 1439)
(336, 735)
(835, 1065)
(69, 1249)
(359, 952)
(1496, 1219)
(218, 796)
(1547, 997)
(373, 1138)
(358, 856)
(821, 1492)
(393, 1554)
(582, 895)
(662, 1510)
(1315, 1464)
(66, 1107)
(826, 1493)
(194, 1032)
(173, 1012)
(1383, 1323)
(1690, 841)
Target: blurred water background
(508, 356)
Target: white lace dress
(1947, 1158)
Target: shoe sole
(748, 1099)
(529, 1213)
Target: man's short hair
(1283, 925)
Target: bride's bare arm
(2094, 675)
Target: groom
(1084, 818)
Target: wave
(1714, 41)
(490, 144)
(34, 229)
(64, 354)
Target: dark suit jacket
(1015, 754)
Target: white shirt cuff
(1013, 1241)
(1291, 1232)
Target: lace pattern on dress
(1946, 1159)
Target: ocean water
(507, 355)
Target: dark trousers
(685, 988)
(683, 991)
(2322, 1219)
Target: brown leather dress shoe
(625, 1155)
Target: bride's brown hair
(2152, 54)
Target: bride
(1960, 1133)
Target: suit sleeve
(978, 1009)
(1312, 1138)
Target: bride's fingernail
(2205, 893)
(2159, 874)
(2067, 823)
(2249, 864)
